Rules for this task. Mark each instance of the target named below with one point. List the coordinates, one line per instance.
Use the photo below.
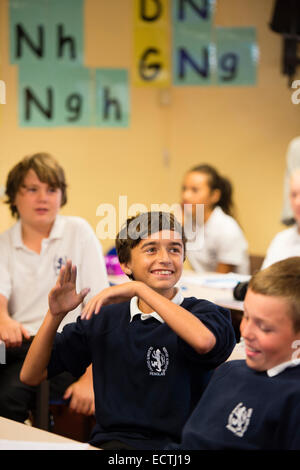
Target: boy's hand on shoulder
(110, 295)
(63, 297)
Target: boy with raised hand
(259, 407)
(152, 350)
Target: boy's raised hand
(110, 295)
(63, 297)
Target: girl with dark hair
(220, 245)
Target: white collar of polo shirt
(134, 309)
(56, 232)
(281, 367)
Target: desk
(217, 288)
(34, 438)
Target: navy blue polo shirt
(147, 380)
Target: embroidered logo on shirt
(239, 419)
(157, 361)
(58, 262)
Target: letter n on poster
(193, 51)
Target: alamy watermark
(2, 352)
(113, 219)
(296, 353)
(2, 92)
(296, 94)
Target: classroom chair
(56, 417)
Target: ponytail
(225, 201)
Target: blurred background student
(292, 164)
(286, 243)
(224, 248)
(32, 252)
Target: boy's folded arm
(181, 321)
(34, 369)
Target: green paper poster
(54, 96)
(193, 53)
(112, 98)
(193, 49)
(194, 13)
(44, 31)
(237, 56)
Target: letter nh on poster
(55, 89)
(23, 39)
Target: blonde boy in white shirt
(32, 253)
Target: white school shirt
(284, 245)
(134, 308)
(292, 163)
(27, 277)
(223, 242)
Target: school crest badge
(239, 419)
(157, 361)
(58, 262)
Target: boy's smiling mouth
(162, 272)
(250, 351)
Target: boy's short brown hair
(281, 279)
(142, 226)
(47, 170)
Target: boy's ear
(125, 268)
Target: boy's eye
(265, 329)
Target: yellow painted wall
(244, 131)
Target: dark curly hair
(142, 226)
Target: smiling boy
(259, 405)
(152, 350)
